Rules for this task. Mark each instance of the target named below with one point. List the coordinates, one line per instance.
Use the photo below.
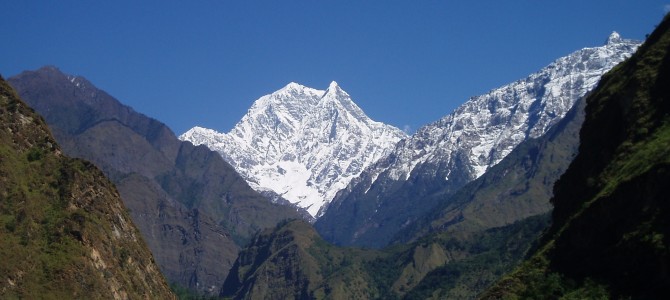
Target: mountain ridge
(447, 154)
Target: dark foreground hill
(192, 208)
(610, 231)
(64, 232)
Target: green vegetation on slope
(609, 237)
(490, 254)
(65, 233)
(292, 261)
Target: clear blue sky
(406, 63)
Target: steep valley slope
(293, 262)
(64, 231)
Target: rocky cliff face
(445, 155)
(192, 208)
(301, 143)
(65, 232)
(609, 233)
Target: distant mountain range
(301, 143)
(314, 147)
(452, 207)
(607, 233)
(441, 157)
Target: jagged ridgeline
(64, 232)
(609, 237)
(518, 187)
(427, 169)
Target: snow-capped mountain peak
(335, 88)
(296, 88)
(301, 143)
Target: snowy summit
(301, 143)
